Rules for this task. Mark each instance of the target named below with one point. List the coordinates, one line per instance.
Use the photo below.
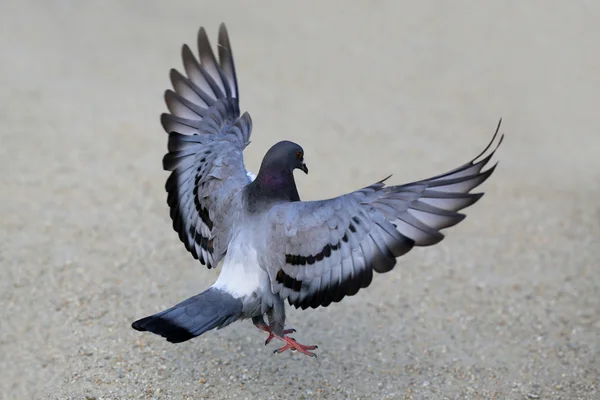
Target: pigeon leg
(260, 324)
(292, 345)
(271, 335)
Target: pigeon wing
(321, 251)
(206, 138)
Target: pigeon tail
(211, 309)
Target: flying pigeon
(273, 246)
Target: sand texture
(506, 307)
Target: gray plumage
(210, 309)
(274, 247)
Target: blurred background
(505, 307)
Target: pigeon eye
(299, 155)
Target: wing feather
(331, 247)
(207, 136)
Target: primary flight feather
(275, 247)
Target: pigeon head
(283, 158)
(275, 179)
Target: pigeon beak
(304, 168)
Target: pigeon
(274, 248)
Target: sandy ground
(507, 307)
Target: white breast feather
(241, 275)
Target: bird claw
(292, 345)
(271, 336)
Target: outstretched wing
(206, 138)
(319, 252)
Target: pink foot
(292, 345)
(271, 336)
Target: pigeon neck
(276, 184)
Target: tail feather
(211, 309)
